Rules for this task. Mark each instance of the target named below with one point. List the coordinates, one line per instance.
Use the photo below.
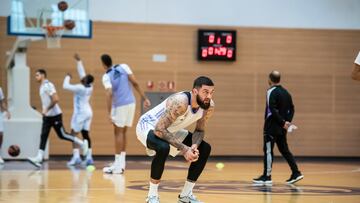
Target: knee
(163, 149)
(205, 148)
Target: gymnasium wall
(315, 65)
(319, 14)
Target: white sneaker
(1, 160)
(74, 161)
(152, 199)
(35, 161)
(188, 199)
(113, 169)
(150, 152)
(85, 148)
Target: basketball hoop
(53, 36)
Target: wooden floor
(324, 182)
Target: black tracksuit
(279, 108)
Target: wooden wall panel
(315, 64)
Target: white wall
(334, 14)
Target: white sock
(89, 155)
(357, 60)
(117, 160)
(76, 153)
(123, 159)
(187, 190)
(40, 154)
(153, 190)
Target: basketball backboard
(30, 17)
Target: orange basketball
(69, 24)
(62, 5)
(14, 150)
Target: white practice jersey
(82, 94)
(47, 89)
(183, 121)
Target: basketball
(14, 150)
(62, 5)
(69, 24)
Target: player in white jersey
(3, 109)
(52, 117)
(82, 115)
(162, 131)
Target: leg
(75, 159)
(120, 146)
(89, 160)
(62, 134)
(162, 149)
(268, 147)
(268, 154)
(120, 139)
(195, 170)
(281, 142)
(45, 130)
(86, 136)
(197, 167)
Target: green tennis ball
(90, 168)
(220, 166)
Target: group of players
(161, 129)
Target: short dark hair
(275, 77)
(202, 80)
(41, 71)
(89, 79)
(106, 59)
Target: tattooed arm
(199, 132)
(175, 107)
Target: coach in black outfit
(279, 113)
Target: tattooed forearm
(199, 132)
(176, 106)
(197, 137)
(174, 141)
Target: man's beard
(202, 105)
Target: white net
(53, 36)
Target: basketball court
(325, 181)
(167, 45)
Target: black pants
(281, 142)
(56, 123)
(162, 149)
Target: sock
(153, 190)
(89, 155)
(40, 154)
(117, 160)
(122, 159)
(187, 190)
(76, 153)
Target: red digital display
(217, 45)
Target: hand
(8, 115)
(194, 149)
(77, 57)
(147, 103)
(287, 125)
(44, 111)
(190, 155)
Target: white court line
(54, 189)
